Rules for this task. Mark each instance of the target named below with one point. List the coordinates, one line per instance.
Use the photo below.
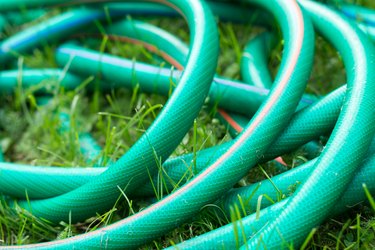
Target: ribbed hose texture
(273, 130)
(237, 233)
(336, 166)
(185, 202)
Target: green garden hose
(360, 14)
(254, 71)
(94, 61)
(236, 234)
(305, 125)
(364, 17)
(22, 16)
(122, 27)
(254, 65)
(274, 128)
(286, 183)
(141, 158)
(294, 223)
(2, 23)
(293, 54)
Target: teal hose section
(305, 125)
(224, 11)
(175, 52)
(257, 74)
(254, 71)
(295, 50)
(125, 29)
(254, 63)
(19, 4)
(35, 78)
(358, 13)
(23, 16)
(150, 78)
(55, 28)
(233, 235)
(25, 37)
(50, 30)
(315, 198)
(158, 40)
(273, 189)
(177, 173)
(101, 193)
(62, 25)
(364, 17)
(221, 9)
(326, 186)
(2, 23)
(58, 181)
(368, 30)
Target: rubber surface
(294, 223)
(274, 128)
(236, 234)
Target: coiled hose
(273, 129)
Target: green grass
(118, 118)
